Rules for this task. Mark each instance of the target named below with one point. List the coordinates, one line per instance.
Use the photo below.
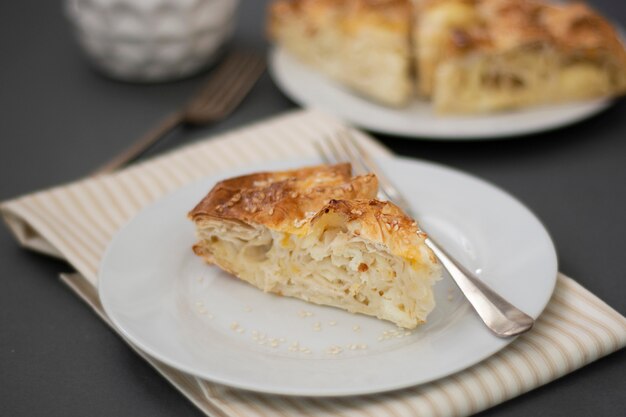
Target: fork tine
(251, 65)
(216, 92)
(222, 75)
(241, 72)
(346, 148)
(357, 161)
(386, 186)
(227, 87)
(331, 153)
(337, 151)
(352, 155)
(322, 153)
(337, 155)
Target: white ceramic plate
(183, 312)
(309, 88)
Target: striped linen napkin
(76, 221)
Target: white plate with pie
(200, 320)
(309, 88)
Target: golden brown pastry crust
(350, 14)
(579, 29)
(506, 24)
(380, 222)
(282, 200)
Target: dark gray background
(60, 119)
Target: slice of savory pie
(486, 55)
(319, 235)
(362, 43)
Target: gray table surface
(60, 119)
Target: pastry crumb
(397, 333)
(304, 313)
(334, 350)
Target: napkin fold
(76, 222)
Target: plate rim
(154, 353)
(276, 54)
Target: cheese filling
(329, 265)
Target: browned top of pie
(348, 14)
(505, 24)
(283, 200)
(381, 222)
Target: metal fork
(500, 316)
(226, 88)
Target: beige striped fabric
(76, 221)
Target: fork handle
(143, 144)
(500, 316)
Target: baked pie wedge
(487, 55)
(363, 44)
(319, 235)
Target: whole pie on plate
(320, 235)
(467, 56)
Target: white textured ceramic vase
(151, 40)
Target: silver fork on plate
(500, 316)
